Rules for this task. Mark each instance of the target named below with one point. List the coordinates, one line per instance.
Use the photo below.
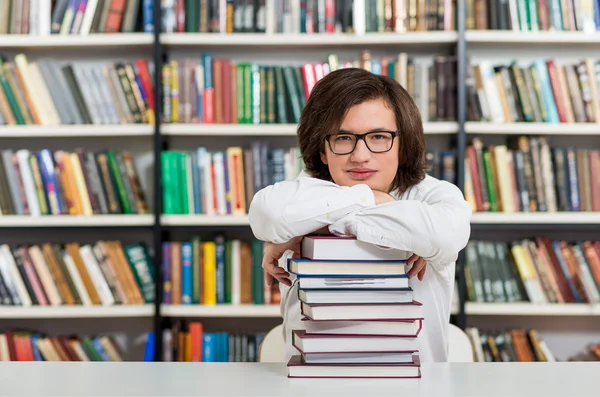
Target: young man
(363, 146)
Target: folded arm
(436, 227)
(289, 209)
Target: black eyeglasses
(376, 141)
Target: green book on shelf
(258, 292)
(228, 271)
(87, 345)
(184, 170)
(113, 163)
(197, 270)
(167, 183)
(489, 176)
(142, 269)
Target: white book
(308, 343)
(347, 248)
(358, 327)
(355, 296)
(11, 279)
(341, 283)
(77, 281)
(46, 278)
(93, 268)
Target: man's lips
(361, 173)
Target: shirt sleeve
(288, 209)
(436, 228)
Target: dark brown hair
(330, 100)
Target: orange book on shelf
(196, 337)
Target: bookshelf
(75, 131)
(504, 39)
(79, 312)
(216, 311)
(542, 38)
(309, 40)
(532, 309)
(75, 42)
(151, 139)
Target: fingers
(412, 259)
(272, 270)
(418, 267)
(422, 273)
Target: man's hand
(382, 197)
(418, 266)
(271, 255)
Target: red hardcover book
(115, 16)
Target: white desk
(253, 379)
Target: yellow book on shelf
(86, 206)
(210, 273)
(174, 92)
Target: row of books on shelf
(50, 92)
(50, 274)
(539, 270)
(513, 345)
(189, 341)
(75, 183)
(216, 271)
(316, 16)
(527, 175)
(218, 90)
(533, 16)
(79, 17)
(28, 345)
(542, 91)
(224, 182)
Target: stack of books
(359, 316)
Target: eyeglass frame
(360, 137)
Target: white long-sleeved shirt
(430, 219)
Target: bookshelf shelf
(256, 311)
(531, 38)
(229, 129)
(38, 312)
(204, 220)
(532, 309)
(307, 40)
(92, 40)
(119, 220)
(270, 129)
(73, 131)
(528, 218)
(532, 128)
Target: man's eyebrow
(371, 130)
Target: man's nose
(361, 152)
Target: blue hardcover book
(209, 353)
(186, 273)
(37, 355)
(166, 269)
(220, 263)
(148, 16)
(149, 350)
(546, 88)
(100, 349)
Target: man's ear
(323, 158)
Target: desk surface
(253, 379)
